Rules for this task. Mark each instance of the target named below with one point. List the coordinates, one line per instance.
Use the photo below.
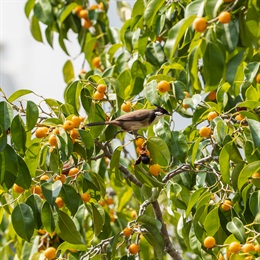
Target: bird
(135, 120)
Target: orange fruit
(139, 142)
(186, 106)
(155, 169)
(73, 171)
(74, 133)
(50, 253)
(234, 247)
(127, 232)
(61, 177)
(98, 96)
(36, 189)
(83, 14)
(212, 95)
(86, 197)
(41, 132)
(258, 78)
(227, 205)
(68, 125)
(87, 23)
(212, 115)
(109, 201)
(220, 257)
(248, 247)
(101, 6)
(59, 201)
(224, 17)
(18, 189)
(133, 249)
(56, 131)
(163, 86)
(187, 94)
(101, 88)
(78, 8)
(256, 175)
(102, 203)
(239, 117)
(205, 131)
(200, 24)
(257, 248)
(96, 62)
(76, 121)
(53, 140)
(93, 7)
(209, 242)
(133, 214)
(44, 177)
(126, 107)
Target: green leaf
(246, 173)
(159, 151)
(23, 221)
(19, 93)
(175, 35)
(66, 229)
(98, 218)
(18, 134)
(212, 222)
(114, 163)
(71, 198)
(178, 146)
(213, 60)
(151, 11)
(68, 9)
(254, 203)
(23, 178)
(51, 191)
(193, 200)
(47, 217)
(68, 72)
(28, 7)
(32, 115)
(35, 29)
(236, 227)
(254, 127)
(87, 141)
(43, 11)
(155, 54)
(35, 203)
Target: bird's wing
(137, 115)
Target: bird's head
(159, 111)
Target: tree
(91, 192)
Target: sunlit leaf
(236, 227)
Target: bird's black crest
(161, 110)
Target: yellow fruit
(73, 171)
(224, 17)
(76, 121)
(86, 197)
(50, 253)
(234, 247)
(139, 142)
(126, 107)
(83, 14)
(163, 86)
(59, 201)
(41, 132)
(212, 115)
(258, 78)
(133, 249)
(56, 131)
(36, 189)
(68, 125)
(205, 131)
(212, 95)
(248, 247)
(239, 117)
(98, 96)
(74, 133)
(209, 242)
(44, 177)
(96, 62)
(155, 169)
(133, 214)
(101, 6)
(127, 232)
(18, 189)
(227, 205)
(256, 175)
(257, 248)
(87, 23)
(53, 140)
(101, 88)
(200, 24)
(61, 177)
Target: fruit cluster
(100, 92)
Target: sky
(28, 64)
